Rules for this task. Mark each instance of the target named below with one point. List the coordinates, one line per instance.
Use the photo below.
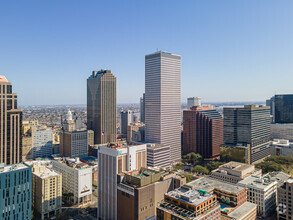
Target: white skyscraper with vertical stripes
(163, 101)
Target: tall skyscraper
(163, 101)
(142, 108)
(126, 117)
(102, 106)
(193, 101)
(202, 132)
(283, 108)
(248, 126)
(10, 125)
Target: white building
(193, 101)
(42, 142)
(158, 155)
(76, 179)
(281, 147)
(114, 159)
(163, 101)
(261, 191)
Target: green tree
(213, 165)
(192, 158)
(200, 169)
(284, 160)
(188, 177)
(269, 166)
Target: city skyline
(227, 46)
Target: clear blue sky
(231, 50)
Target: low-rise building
(158, 155)
(76, 179)
(281, 147)
(233, 172)
(47, 191)
(190, 204)
(140, 191)
(284, 200)
(15, 191)
(261, 191)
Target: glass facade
(283, 108)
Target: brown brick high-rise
(202, 132)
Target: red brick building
(202, 132)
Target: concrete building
(191, 204)
(163, 101)
(135, 132)
(233, 172)
(126, 117)
(202, 132)
(142, 108)
(15, 191)
(141, 190)
(158, 155)
(281, 147)
(249, 127)
(76, 180)
(73, 141)
(282, 131)
(42, 141)
(47, 191)
(261, 191)
(115, 159)
(193, 102)
(284, 200)
(10, 125)
(102, 106)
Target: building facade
(126, 117)
(42, 142)
(193, 101)
(282, 131)
(283, 108)
(47, 191)
(284, 201)
(142, 108)
(15, 192)
(163, 101)
(115, 159)
(102, 106)
(248, 126)
(202, 132)
(76, 180)
(158, 155)
(10, 125)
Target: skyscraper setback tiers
(163, 101)
(10, 124)
(101, 106)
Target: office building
(202, 132)
(282, 131)
(10, 125)
(76, 179)
(102, 106)
(126, 117)
(193, 102)
(47, 190)
(191, 204)
(42, 141)
(142, 108)
(73, 141)
(163, 101)
(135, 132)
(141, 190)
(115, 159)
(284, 200)
(261, 191)
(158, 155)
(283, 108)
(15, 191)
(233, 172)
(27, 146)
(248, 127)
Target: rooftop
(72, 162)
(42, 171)
(236, 166)
(243, 210)
(13, 167)
(154, 146)
(3, 79)
(260, 183)
(208, 184)
(280, 177)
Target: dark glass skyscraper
(248, 126)
(102, 106)
(10, 125)
(283, 108)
